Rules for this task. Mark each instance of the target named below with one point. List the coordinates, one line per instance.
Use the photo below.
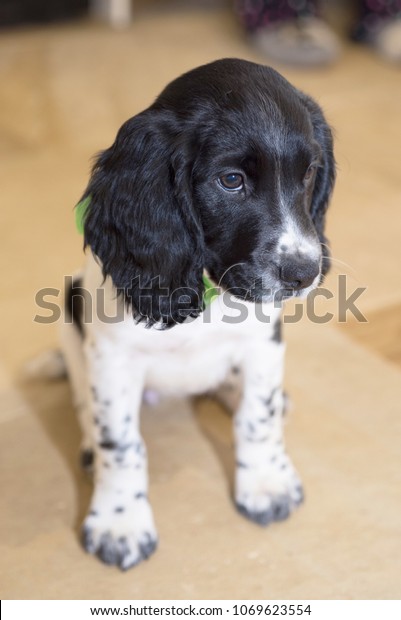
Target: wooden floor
(64, 92)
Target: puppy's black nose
(296, 273)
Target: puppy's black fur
(159, 215)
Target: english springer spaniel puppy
(223, 181)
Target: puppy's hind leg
(72, 341)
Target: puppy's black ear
(325, 176)
(141, 222)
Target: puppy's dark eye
(309, 174)
(232, 182)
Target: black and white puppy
(228, 173)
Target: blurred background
(71, 72)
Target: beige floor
(64, 92)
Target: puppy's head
(230, 170)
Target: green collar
(210, 293)
(80, 212)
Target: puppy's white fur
(226, 349)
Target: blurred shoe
(387, 40)
(306, 42)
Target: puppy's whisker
(338, 262)
(341, 263)
(227, 270)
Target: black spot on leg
(266, 402)
(127, 419)
(139, 448)
(119, 509)
(140, 496)
(109, 445)
(121, 449)
(87, 459)
(105, 434)
(257, 439)
(126, 446)
(251, 427)
(236, 370)
(241, 465)
(94, 393)
(276, 336)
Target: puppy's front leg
(267, 485)
(119, 527)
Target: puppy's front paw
(270, 495)
(123, 536)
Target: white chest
(189, 358)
